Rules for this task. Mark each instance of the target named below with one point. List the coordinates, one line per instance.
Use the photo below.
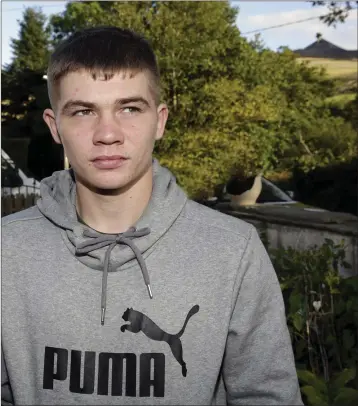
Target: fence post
(13, 203)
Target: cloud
(292, 16)
(300, 34)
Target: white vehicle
(270, 195)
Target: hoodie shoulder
(213, 219)
(30, 214)
(23, 232)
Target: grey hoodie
(184, 308)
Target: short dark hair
(104, 51)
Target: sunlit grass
(335, 67)
(341, 99)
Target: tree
(231, 101)
(338, 11)
(25, 96)
(235, 105)
(24, 100)
(31, 50)
(200, 48)
(23, 83)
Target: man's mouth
(109, 161)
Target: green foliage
(31, 50)
(24, 94)
(350, 112)
(341, 100)
(345, 106)
(335, 393)
(24, 91)
(338, 11)
(201, 161)
(322, 316)
(322, 146)
(232, 102)
(24, 100)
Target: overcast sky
(253, 15)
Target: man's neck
(114, 214)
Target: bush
(333, 187)
(322, 316)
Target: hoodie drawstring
(100, 241)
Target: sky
(253, 15)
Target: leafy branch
(338, 11)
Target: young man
(118, 289)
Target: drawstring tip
(102, 315)
(150, 291)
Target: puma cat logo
(140, 322)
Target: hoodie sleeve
(6, 394)
(259, 367)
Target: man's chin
(109, 188)
(104, 186)
(110, 182)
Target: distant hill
(325, 49)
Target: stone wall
(302, 228)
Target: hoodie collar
(57, 203)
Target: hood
(111, 252)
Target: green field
(343, 98)
(344, 71)
(337, 68)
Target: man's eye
(82, 112)
(131, 110)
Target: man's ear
(162, 112)
(50, 120)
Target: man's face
(107, 127)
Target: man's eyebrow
(77, 103)
(81, 103)
(133, 99)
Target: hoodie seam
(233, 302)
(19, 220)
(238, 234)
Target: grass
(341, 99)
(344, 71)
(337, 68)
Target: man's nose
(108, 131)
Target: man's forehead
(103, 76)
(121, 84)
(92, 84)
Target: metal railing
(14, 199)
